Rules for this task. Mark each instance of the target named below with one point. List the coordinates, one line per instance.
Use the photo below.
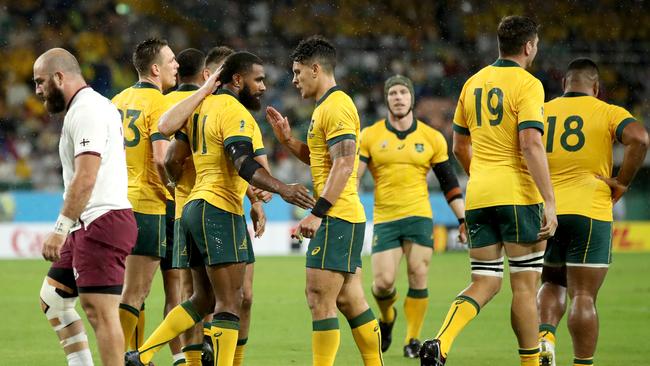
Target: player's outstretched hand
(298, 195)
(618, 188)
(263, 195)
(279, 123)
(307, 227)
(550, 223)
(259, 218)
(52, 247)
(211, 85)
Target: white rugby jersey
(92, 125)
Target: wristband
(63, 225)
(461, 220)
(321, 207)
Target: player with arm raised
(580, 133)
(399, 151)
(498, 127)
(95, 230)
(223, 154)
(337, 222)
(140, 107)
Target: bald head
(57, 77)
(58, 60)
(582, 76)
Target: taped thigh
(529, 262)
(493, 268)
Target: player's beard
(54, 101)
(249, 100)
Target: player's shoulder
(335, 99)
(427, 129)
(374, 128)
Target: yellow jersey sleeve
(157, 109)
(619, 118)
(439, 148)
(258, 141)
(237, 125)
(340, 123)
(530, 105)
(460, 122)
(364, 145)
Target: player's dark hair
(238, 63)
(513, 33)
(218, 54)
(191, 62)
(316, 49)
(583, 64)
(145, 54)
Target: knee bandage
(492, 268)
(529, 262)
(57, 307)
(81, 337)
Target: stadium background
(436, 43)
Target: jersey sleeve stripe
(365, 159)
(531, 124)
(621, 127)
(158, 136)
(259, 152)
(232, 139)
(181, 136)
(336, 139)
(461, 130)
(88, 153)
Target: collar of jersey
(505, 63)
(401, 134)
(187, 87)
(226, 91)
(574, 94)
(327, 94)
(145, 85)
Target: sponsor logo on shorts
(217, 334)
(243, 245)
(315, 251)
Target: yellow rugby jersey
(580, 132)
(494, 105)
(399, 162)
(222, 119)
(141, 107)
(335, 118)
(185, 183)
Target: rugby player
(96, 229)
(498, 127)
(399, 151)
(580, 133)
(337, 222)
(223, 154)
(140, 107)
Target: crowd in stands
(438, 44)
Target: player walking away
(580, 133)
(223, 154)
(337, 222)
(140, 107)
(498, 127)
(95, 230)
(399, 151)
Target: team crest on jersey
(242, 124)
(419, 147)
(384, 144)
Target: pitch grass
(281, 327)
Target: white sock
(80, 358)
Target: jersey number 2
(495, 110)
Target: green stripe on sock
(241, 342)
(363, 318)
(189, 308)
(469, 300)
(583, 361)
(547, 328)
(227, 324)
(325, 324)
(418, 294)
(130, 309)
(385, 297)
(528, 351)
(192, 347)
